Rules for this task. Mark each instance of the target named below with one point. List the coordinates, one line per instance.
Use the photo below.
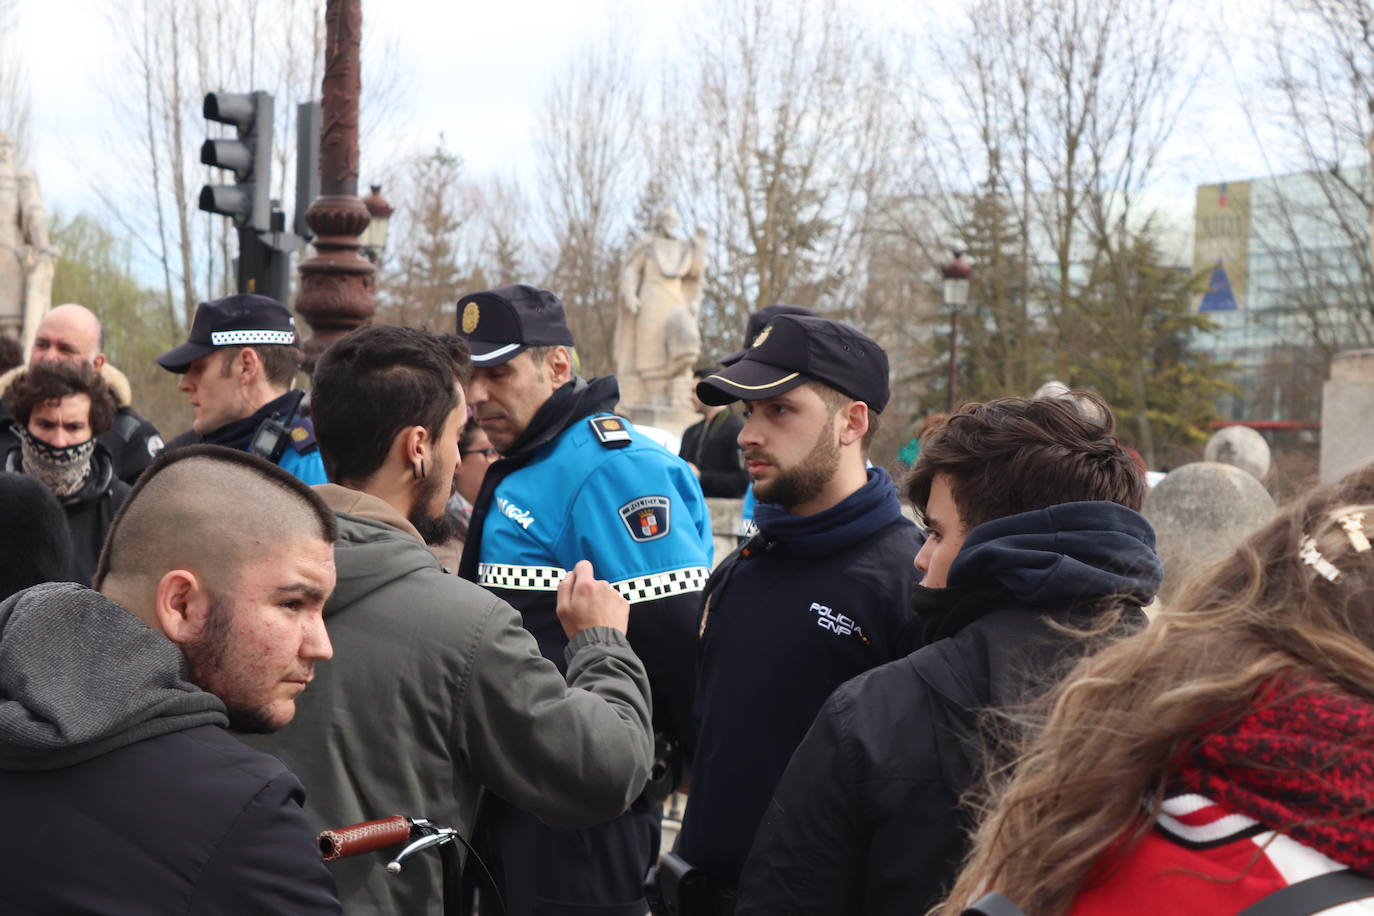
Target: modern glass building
(1288, 264)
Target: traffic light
(248, 199)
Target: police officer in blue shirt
(238, 367)
(577, 482)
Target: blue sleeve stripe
(635, 590)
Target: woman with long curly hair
(1216, 757)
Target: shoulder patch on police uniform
(303, 435)
(611, 432)
(646, 518)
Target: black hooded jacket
(90, 510)
(867, 819)
(122, 793)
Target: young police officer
(237, 369)
(819, 595)
(576, 482)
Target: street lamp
(956, 273)
(373, 239)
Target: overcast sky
(476, 71)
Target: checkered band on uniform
(234, 338)
(635, 590)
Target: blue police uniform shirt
(583, 484)
(636, 512)
(302, 456)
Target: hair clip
(1307, 550)
(1353, 523)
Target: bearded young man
(819, 595)
(438, 695)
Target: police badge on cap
(500, 324)
(792, 350)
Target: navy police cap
(234, 321)
(794, 349)
(758, 321)
(500, 324)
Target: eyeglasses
(488, 453)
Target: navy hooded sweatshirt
(806, 604)
(867, 817)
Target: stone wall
(725, 522)
(1348, 415)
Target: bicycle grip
(368, 836)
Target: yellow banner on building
(1221, 244)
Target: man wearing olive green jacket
(436, 692)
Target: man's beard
(804, 481)
(208, 661)
(434, 529)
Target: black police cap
(502, 323)
(795, 349)
(233, 321)
(758, 321)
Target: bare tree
(1064, 112)
(501, 223)
(430, 265)
(588, 172)
(175, 52)
(1314, 227)
(780, 138)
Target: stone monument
(1241, 447)
(27, 257)
(657, 339)
(1201, 512)
(1348, 415)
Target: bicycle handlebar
(368, 836)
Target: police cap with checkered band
(500, 324)
(234, 321)
(794, 349)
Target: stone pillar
(1241, 447)
(338, 286)
(1201, 513)
(726, 515)
(1348, 415)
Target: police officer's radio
(273, 435)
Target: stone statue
(657, 341)
(27, 257)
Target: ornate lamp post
(956, 273)
(374, 236)
(337, 291)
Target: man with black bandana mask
(59, 409)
